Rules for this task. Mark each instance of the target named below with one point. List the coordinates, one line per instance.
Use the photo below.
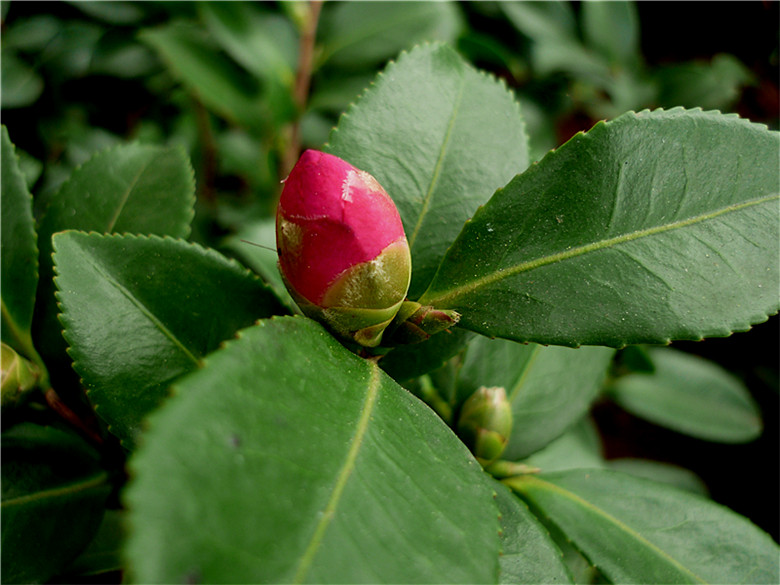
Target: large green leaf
(549, 387)
(19, 263)
(528, 554)
(655, 226)
(311, 465)
(641, 531)
(140, 311)
(53, 496)
(440, 137)
(690, 395)
(363, 34)
(129, 188)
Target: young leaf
(53, 497)
(528, 554)
(311, 465)
(440, 137)
(364, 34)
(549, 387)
(579, 447)
(140, 311)
(655, 226)
(690, 395)
(129, 188)
(19, 248)
(641, 531)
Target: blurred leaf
(365, 34)
(651, 227)
(612, 29)
(640, 531)
(69, 54)
(53, 496)
(114, 12)
(21, 85)
(440, 137)
(679, 477)
(715, 85)
(549, 387)
(139, 312)
(262, 42)
(311, 466)
(30, 34)
(579, 447)
(216, 80)
(103, 554)
(119, 55)
(19, 263)
(691, 395)
(528, 554)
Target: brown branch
(302, 84)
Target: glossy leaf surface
(130, 188)
(19, 252)
(312, 466)
(654, 226)
(53, 496)
(440, 137)
(691, 395)
(549, 387)
(141, 311)
(640, 531)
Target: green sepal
(415, 323)
(364, 299)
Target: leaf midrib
(551, 487)
(140, 306)
(329, 513)
(444, 299)
(126, 196)
(66, 490)
(439, 163)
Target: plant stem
(302, 83)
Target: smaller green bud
(485, 423)
(17, 376)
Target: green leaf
(364, 34)
(52, 503)
(259, 258)
(410, 361)
(311, 465)
(549, 387)
(528, 554)
(679, 477)
(19, 263)
(103, 555)
(691, 395)
(21, 84)
(129, 188)
(215, 79)
(139, 312)
(612, 28)
(440, 137)
(655, 226)
(640, 531)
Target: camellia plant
(400, 394)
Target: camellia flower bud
(485, 423)
(17, 376)
(342, 249)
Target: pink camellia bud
(343, 253)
